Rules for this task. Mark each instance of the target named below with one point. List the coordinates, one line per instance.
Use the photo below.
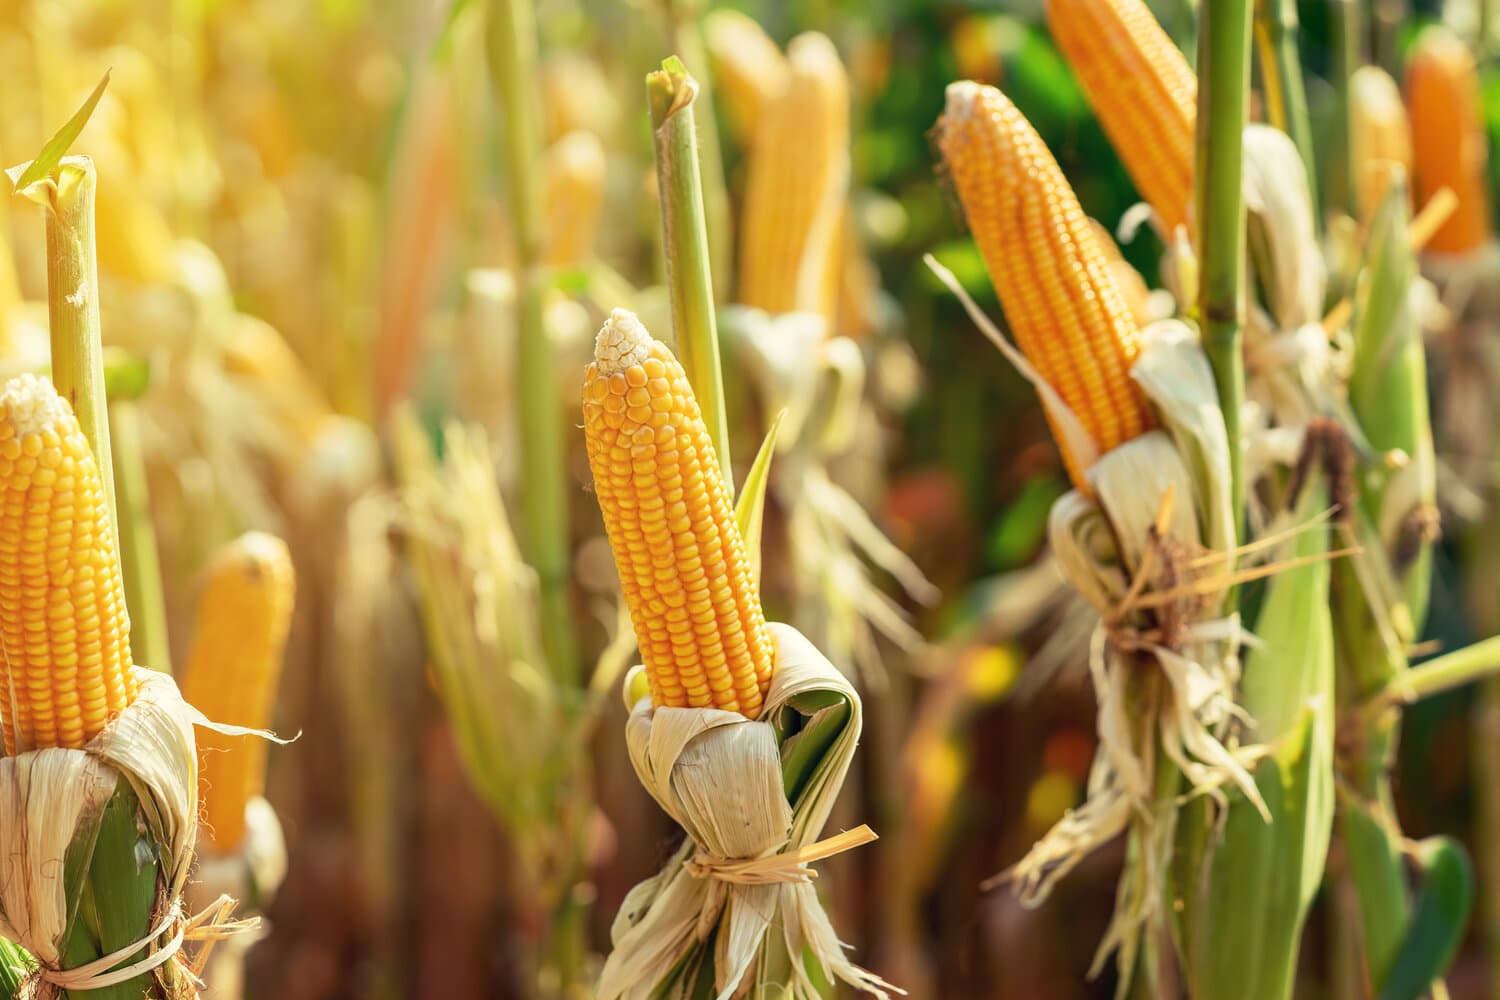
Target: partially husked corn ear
(1127, 279)
(797, 186)
(1448, 140)
(682, 562)
(1142, 90)
(244, 614)
(573, 196)
(1043, 256)
(1380, 136)
(749, 68)
(64, 630)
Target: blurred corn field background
(352, 260)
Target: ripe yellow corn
(244, 613)
(64, 631)
(573, 197)
(1380, 136)
(1054, 281)
(682, 562)
(749, 69)
(1128, 280)
(797, 186)
(1142, 90)
(1448, 140)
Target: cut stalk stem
(139, 562)
(1276, 31)
(513, 62)
(1439, 674)
(67, 198)
(688, 38)
(1223, 109)
(671, 92)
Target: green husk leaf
(1374, 851)
(16, 964)
(57, 147)
(750, 508)
(825, 714)
(1444, 899)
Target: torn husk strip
(720, 775)
(51, 804)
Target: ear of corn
(797, 186)
(749, 69)
(1448, 140)
(682, 562)
(1128, 280)
(1380, 136)
(1054, 281)
(1142, 90)
(63, 624)
(244, 614)
(574, 196)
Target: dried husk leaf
(720, 775)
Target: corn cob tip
(31, 405)
(623, 342)
(962, 100)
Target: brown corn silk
(63, 624)
(682, 562)
(1043, 256)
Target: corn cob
(1142, 90)
(749, 69)
(1380, 135)
(573, 197)
(797, 185)
(1448, 140)
(1128, 280)
(1053, 279)
(244, 614)
(63, 626)
(682, 561)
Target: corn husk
(742, 789)
(55, 805)
(251, 874)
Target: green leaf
(1374, 852)
(16, 964)
(126, 376)
(1444, 898)
(57, 147)
(750, 508)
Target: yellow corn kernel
(1054, 281)
(1448, 140)
(682, 562)
(573, 197)
(797, 187)
(1142, 90)
(1380, 136)
(1128, 280)
(244, 614)
(64, 630)
(749, 69)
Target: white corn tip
(623, 343)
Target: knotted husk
(741, 789)
(1164, 672)
(52, 803)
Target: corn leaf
(1444, 899)
(16, 964)
(750, 508)
(57, 147)
(1374, 852)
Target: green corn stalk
(1262, 876)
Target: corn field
(562, 499)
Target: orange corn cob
(749, 69)
(63, 626)
(1380, 136)
(1142, 90)
(681, 559)
(1127, 279)
(1041, 252)
(1442, 93)
(244, 614)
(797, 186)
